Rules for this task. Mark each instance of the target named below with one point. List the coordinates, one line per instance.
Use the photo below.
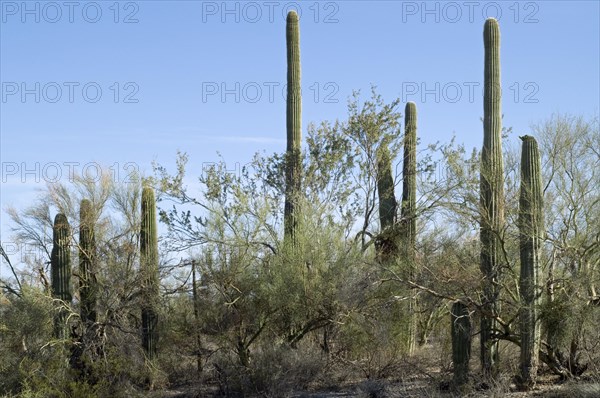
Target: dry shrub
(274, 371)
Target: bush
(275, 371)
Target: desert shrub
(372, 345)
(25, 328)
(275, 371)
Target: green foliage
(113, 358)
(570, 167)
(247, 313)
(372, 342)
(276, 371)
(26, 325)
(87, 257)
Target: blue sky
(131, 82)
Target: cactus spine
(87, 256)
(60, 262)
(294, 129)
(409, 207)
(491, 196)
(149, 271)
(461, 343)
(531, 231)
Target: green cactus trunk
(293, 172)
(87, 258)
(492, 197)
(60, 262)
(149, 271)
(387, 248)
(531, 233)
(461, 343)
(409, 208)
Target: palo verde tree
(570, 167)
(114, 333)
(87, 257)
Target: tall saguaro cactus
(87, 257)
(461, 342)
(149, 271)
(531, 232)
(293, 173)
(60, 263)
(409, 207)
(491, 196)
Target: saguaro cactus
(491, 196)
(87, 256)
(461, 342)
(386, 244)
(149, 271)
(409, 206)
(294, 128)
(531, 232)
(60, 263)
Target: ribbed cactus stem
(149, 270)
(461, 342)
(492, 196)
(60, 262)
(386, 244)
(294, 128)
(385, 187)
(409, 207)
(87, 259)
(409, 172)
(531, 233)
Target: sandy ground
(547, 387)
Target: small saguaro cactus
(491, 196)
(87, 257)
(386, 245)
(409, 208)
(531, 233)
(60, 263)
(149, 272)
(461, 342)
(293, 172)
